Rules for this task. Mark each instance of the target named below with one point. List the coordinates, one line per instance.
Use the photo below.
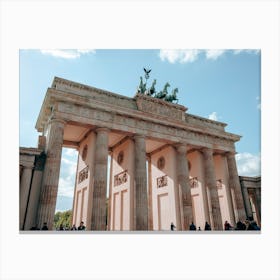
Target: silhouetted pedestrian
(192, 226)
(61, 227)
(172, 226)
(81, 227)
(207, 226)
(240, 225)
(227, 226)
(45, 227)
(253, 226)
(34, 228)
(73, 227)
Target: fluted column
(234, 183)
(150, 195)
(49, 188)
(109, 215)
(246, 201)
(258, 198)
(34, 197)
(140, 175)
(210, 181)
(184, 187)
(98, 220)
(24, 191)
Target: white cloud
(186, 56)
(213, 54)
(182, 56)
(66, 186)
(248, 164)
(67, 54)
(70, 152)
(213, 116)
(250, 51)
(68, 172)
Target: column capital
(139, 136)
(52, 120)
(230, 154)
(28, 167)
(102, 129)
(181, 148)
(207, 152)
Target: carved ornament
(193, 182)
(219, 184)
(83, 175)
(120, 178)
(120, 157)
(162, 181)
(161, 163)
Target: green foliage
(64, 218)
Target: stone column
(24, 191)
(98, 220)
(109, 215)
(150, 195)
(246, 201)
(235, 185)
(141, 199)
(49, 187)
(35, 192)
(258, 198)
(34, 196)
(184, 186)
(210, 181)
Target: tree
(64, 218)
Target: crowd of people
(248, 224)
(61, 227)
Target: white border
(140, 24)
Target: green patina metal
(164, 95)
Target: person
(34, 228)
(199, 228)
(61, 227)
(192, 226)
(45, 227)
(73, 227)
(227, 226)
(207, 226)
(253, 226)
(172, 226)
(240, 225)
(81, 227)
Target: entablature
(141, 114)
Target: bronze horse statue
(173, 96)
(162, 94)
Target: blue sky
(223, 85)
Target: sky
(222, 85)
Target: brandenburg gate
(167, 166)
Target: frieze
(83, 175)
(162, 181)
(159, 107)
(120, 178)
(161, 130)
